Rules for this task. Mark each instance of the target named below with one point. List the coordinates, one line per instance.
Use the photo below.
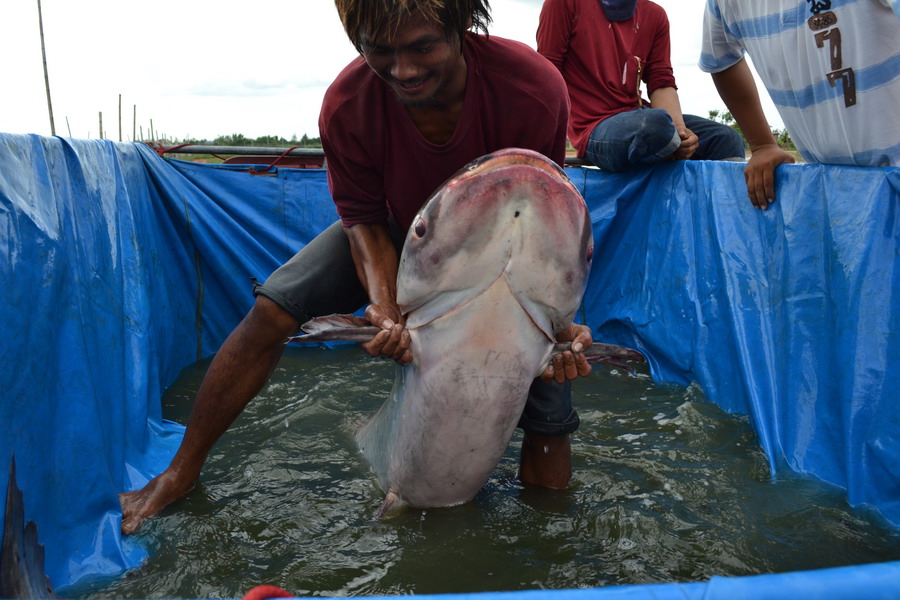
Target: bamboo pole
(46, 75)
(134, 125)
(101, 124)
(67, 127)
(120, 117)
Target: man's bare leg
(237, 373)
(546, 460)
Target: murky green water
(666, 488)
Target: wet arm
(738, 90)
(377, 263)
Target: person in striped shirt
(832, 68)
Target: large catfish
(493, 267)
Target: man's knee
(654, 121)
(268, 317)
(654, 138)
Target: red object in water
(263, 592)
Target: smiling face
(421, 63)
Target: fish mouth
(509, 157)
(446, 304)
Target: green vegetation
(781, 135)
(274, 141)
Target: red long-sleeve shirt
(604, 62)
(380, 164)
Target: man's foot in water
(161, 491)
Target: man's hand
(760, 173)
(738, 89)
(571, 363)
(393, 340)
(689, 143)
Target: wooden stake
(46, 76)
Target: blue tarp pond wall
(120, 268)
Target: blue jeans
(645, 136)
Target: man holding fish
(425, 97)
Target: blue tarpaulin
(120, 268)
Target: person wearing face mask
(605, 50)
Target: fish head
(512, 214)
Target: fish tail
(392, 503)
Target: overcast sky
(202, 69)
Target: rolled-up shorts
(321, 280)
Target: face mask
(618, 10)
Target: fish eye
(419, 227)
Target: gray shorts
(321, 280)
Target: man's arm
(377, 263)
(554, 29)
(666, 98)
(738, 90)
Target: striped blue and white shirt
(832, 68)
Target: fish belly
(453, 410)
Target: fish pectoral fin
(336, 328)
(391, 505)
(611, 354)
(607, 354)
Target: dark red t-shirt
(602, 61)
(379, 163)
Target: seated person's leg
(717, 140)
(548, 419)
(635, 138)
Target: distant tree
(722, 116)
(782, 137)
(235, 139)
(274, 141)
(308, 142)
